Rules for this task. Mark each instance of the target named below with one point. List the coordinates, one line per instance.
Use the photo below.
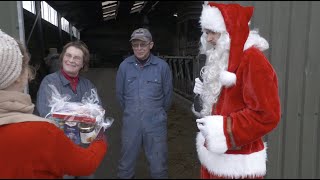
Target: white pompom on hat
(10, 60)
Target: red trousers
(204, 174)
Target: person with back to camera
(144, 89)
(32, 146)
(239, 94)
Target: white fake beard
(217, 61)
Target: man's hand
(198, 86)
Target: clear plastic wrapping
(81, 121)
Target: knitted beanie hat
(10, 60)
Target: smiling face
(72, 61)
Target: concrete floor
(182, 163)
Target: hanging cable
(152, 7)
(34, 24)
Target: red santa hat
(231, 18)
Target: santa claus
(239, 93)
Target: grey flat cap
(141, 34)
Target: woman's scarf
(17, 107)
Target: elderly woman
(74, 59)
(31, 146)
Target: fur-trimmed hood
(254, 39)
(232, 19)
(211, 18)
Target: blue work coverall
(145, 94)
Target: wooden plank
(317, 118)
(262, 20)
(310, 138)
(278, 57)
(293, 105)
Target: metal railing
(184, 70)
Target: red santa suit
(229, 143)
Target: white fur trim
(227, 78)
(212, 19)
(232, 165)
(254, 39)
(216, 140)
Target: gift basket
(80, 121)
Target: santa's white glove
(203, 126)
(198, 86)
(211, 127)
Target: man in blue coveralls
(144, 90)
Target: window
(137, 6)
(109, 9)
(29, 6)
(65, 25)
(75, 32)
(48, 13)
(78, 34)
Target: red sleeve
(260, 94)
(74, 160)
